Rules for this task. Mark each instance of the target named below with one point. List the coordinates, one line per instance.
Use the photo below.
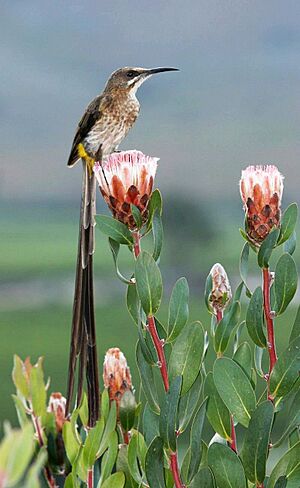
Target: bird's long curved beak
(159, 70)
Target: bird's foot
(89, 161)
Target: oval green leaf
(255, 318)
(168, 416)
(256, 442)
(285, 283)
(187, 355)
(225, 327)
(266, 248)
(286, 370)
(235, 389)
(148, 283)
(288, 223)
(226, 467)
(217, 413)
(287, 466)
(114, 229)
(154, 464)
(178, 308)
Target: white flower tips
(220, 293)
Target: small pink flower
(116, 374)
(220, 294)
(261, 190)
(126, 178)
(57, 405)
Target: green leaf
(266, 248)
(296, 327)
(187, 355)
(244, 259)
(256, 442)
(207, 292)
(16, 450)
(147, 378)
(255, 318)
(83, 410)
(285, 283)
(148, 282)
(109, 428)
(150, 424)
(109, 458)
(19, 377)
(115, 247)
(127, 410)
(37, 389)
(92, 444)
(168, 416)
(21, 411)
(122, 465)
(294, 437)
(157, 230)
(204, 479)
(33, 475)
(155, 203)
(136, 214)
(286, 370)
(133, 303)
(114, 229)
(288, 223)
(291, 244)
(116, 480)
(243, 357)
(226, 467)
(225, 327)
(154, 464)
(235, 389)
(258, 355)
(287, 466)
(188, 404)
(105, 404)
(71, 441)
(178, 308)
(195, 440)
(136, 456)
(292, 420)
(217, 413)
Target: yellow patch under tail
(88, 159)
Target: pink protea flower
(220, 294)
(116, 374)
(261, 190)
(126, 178)
(57, 405)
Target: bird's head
(130, 79)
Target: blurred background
(234, 102)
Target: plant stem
(125, 437)
(158, 344)
(90, 477)
(270, 324)
(232, 444)
(47, 471)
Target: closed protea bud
(116, 374)
(219, 293)
(57, 405)
(261, 190)
(126, 178)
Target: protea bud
(57, 405)
(261, 190)
(220, 290)
(116, 374)
(126, 178)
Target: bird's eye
(130, 74)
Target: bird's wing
(90, 116)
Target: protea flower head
(220, 293)
(116, 374)
(261, 190)
(57, 405)
(126, 178)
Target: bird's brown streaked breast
(112, 127)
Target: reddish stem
(232, 444)
(126, 437)
(270, 323)
(90, 477)
(158, 344)
(175, 470)
(47, 471)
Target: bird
(103, 126)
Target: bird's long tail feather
(83, 334)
